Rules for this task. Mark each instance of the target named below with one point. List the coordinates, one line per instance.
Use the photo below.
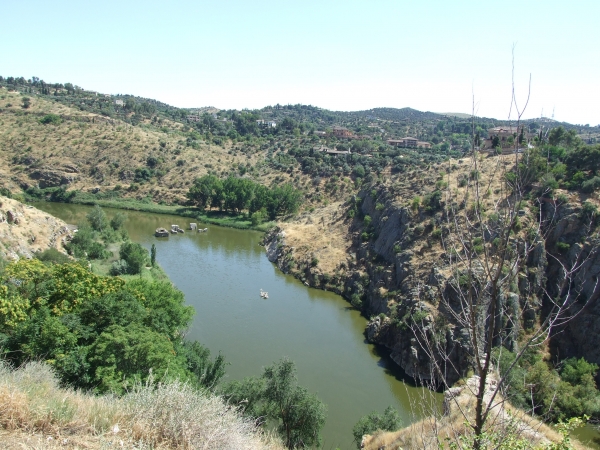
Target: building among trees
(408, 142)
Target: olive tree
(276, 396)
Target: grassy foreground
(34, 408)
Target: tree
(207, 373)
(26, 102)
(495, 141)
(118, 221)
(202, 191)
(123, 355)
(153, 255)
(52, 119)
(97, 219)
(134, 255)
(299, 415)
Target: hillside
(417, 239)
(111, 147)
(510, 428)
(86, 151)
(402, 251)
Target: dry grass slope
(36, 413)
(95, 151)
(92, 152)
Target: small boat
(161, 232)
(264, 294)
(176, 229)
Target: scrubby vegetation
(372, 422)
(165, 415)
(556, 392)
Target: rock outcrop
(25, 230)
(53, 177)
(451, 426)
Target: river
(221, 273)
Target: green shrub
(418, 316)
(53, 256)
(134, 255)
(433, 200)
(82, 240)
(589, 210)
(118, 221)
(562, 247)
(415, 203)
(97, 219)
(590, 186)
(356, 301)
(389, 421)
(549, 183)
(119, 267)
(97, 251)
(52, 119)
(258, 217)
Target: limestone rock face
(275, 245)
(579, 337)
(25, 230)
(53, 177)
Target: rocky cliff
(397, 272)
(25, 230)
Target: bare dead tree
(487, 249)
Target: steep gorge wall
(398, 274)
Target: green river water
(221, 273)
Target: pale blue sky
(343, 55)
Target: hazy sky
(342, 55)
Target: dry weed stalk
(158, 416)
(487, 251)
